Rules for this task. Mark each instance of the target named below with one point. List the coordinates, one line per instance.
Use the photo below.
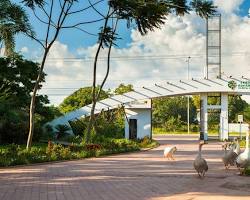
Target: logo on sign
(232, 84)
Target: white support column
(224, 117)
(204, 116)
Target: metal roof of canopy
(165, 89)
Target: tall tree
(236, 105)
(16, 83)
(175, 107)
(13, 20)
(53, 15)
(146, 16)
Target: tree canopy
(175, 107)
(13, 20)
(122, 88)
(78, 99)
(16, 83)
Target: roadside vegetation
(14, 154)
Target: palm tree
(61, 131)
(13, 20)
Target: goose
(236, 146)
(243, 160)
(200, 164)
(229, 156)
(169, 152)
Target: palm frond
(13, 20)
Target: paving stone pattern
(135, 176)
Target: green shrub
(173, 124)
(146, 142)
(247, 171)
(58, 152)
(95, 147)
(14, 154)
(62, 130)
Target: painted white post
(224, 117)
(205, 116)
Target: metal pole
(206, 67)
(220, 46)
(188, 98)
(240, 132)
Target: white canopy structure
(225, 85)
(214, 82)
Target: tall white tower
(213, 45)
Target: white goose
(229, 156)
(243, 160)
(236, 146)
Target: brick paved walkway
(136, 176)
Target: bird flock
(232, 155)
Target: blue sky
(244, 8)
(73, 37)
(76, 39)
(142, 60)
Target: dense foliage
(16, 155)
(16, 83)
(122, 88)
(13, 20)
(171, 112)
(236, 106)
(79, 98)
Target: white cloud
(228, 6)
(24, 50)
(159, 55)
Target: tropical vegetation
(17, 155)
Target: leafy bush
(14, 154)
(107, 124)
(58, 152)
(173, 124)
(62, 130)
(146, 142)
(247, 171)
(95, 147)
(194, 128)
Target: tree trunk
(108, 62)
(33, 101)
(94, 99)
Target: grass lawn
(159, 131)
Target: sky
(141, 60)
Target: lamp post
(188, 59)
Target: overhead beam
(174, 85)
(188, 84)
(200, 82)
(163, 88)
(151, 90)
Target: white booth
(138, 119)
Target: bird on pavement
(200, 164)
(243, 160)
